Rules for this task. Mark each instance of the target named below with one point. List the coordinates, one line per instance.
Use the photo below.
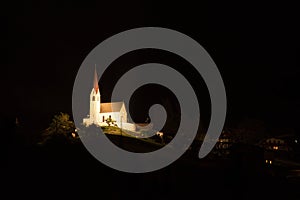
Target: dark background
(254, 45)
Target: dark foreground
(69, 171)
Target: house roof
(111, 107)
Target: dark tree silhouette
(61, 129)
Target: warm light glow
(160, 134)
(73, 135)
(224, 140)
(275, 147)
(269, 162)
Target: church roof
(111, 107)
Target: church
(100, 113)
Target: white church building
(100, 112)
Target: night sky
(255, 47)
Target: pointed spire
(96, 86)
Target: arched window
(102, 118)
(93, 98)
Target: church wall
(123, 113)
(87, 121)
(94, 106)
(114, 116)
(128, 126)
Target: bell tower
(95, 101)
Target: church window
(93, 98)
(102, 118)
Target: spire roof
(96, 86)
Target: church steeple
(96, 86)
(95, 100)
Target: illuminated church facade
(101, 112)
